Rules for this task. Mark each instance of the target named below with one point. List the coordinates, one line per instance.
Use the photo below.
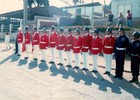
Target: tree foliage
(30, 2)
(78, 1)
(75, 1)
(39, 3)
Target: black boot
(136, 80)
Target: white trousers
(27, 46)
(52, 52)
(76, 59)
(85, 55)
(95, 61)
(35, 52)
(19, 48)
(7, 44)
(69, 57)
(43, 54)
(60, 55)
(108, 62)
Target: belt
(85, 47)
(120, 48)
(43, 42)
(95, 48)
(52, 42)
(68, 45)
(61, 45)
(77, 47)
(35, 40)
(19, 39)
(134, 54)
(109, 47)
(26, 39)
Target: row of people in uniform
(108, 45)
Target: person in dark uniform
(121, 48)
(16, 47)
(16, 42)
(135, 56)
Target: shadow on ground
(43, 66)
(90, 78)
(33, 64)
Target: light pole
(92, 14)
(25, 14)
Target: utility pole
(25, 14)
(104, 7)
(92, 15)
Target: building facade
(85, 10)
(121, 6)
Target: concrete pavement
(22, 79)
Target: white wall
(85, 10)
(118, 6)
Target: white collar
(109, 35)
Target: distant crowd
(121, 19)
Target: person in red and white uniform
(27, 41)
(53, 41)
(60, 45)
(19, 40)
(44, 42)
(86, 42)
(77, 43)
(35, 42)
(108, 49)
(95, 49)
(68, 46)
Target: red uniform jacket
(27, 38)
(20, 37)
(60, 42)
(35, 38)
(108, 44)
(44, 41)
(53, 39)
(86, 42)
(77, 43)
(96, 45)
(69, 42)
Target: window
(78, 11)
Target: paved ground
(22, 79)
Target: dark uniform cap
(86, 28)
(26, 27)
(69, 29)
(61, 29)
(35, 28)
(96, 31)
(109, 30)
(121, 29)
(77, 30)
(44, 29)
(52, 27)
(136, 34)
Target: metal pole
(10, 28)
(25, 14)
(92, 15)
(2, 30)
